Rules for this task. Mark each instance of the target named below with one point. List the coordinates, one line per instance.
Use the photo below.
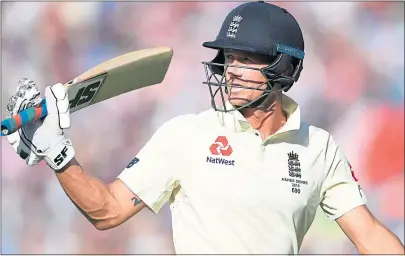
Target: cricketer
(252, 178)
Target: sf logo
(221, 147)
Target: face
(244, 77)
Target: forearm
(89, 194)
(380, 240)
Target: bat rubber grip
(12, 124)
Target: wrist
(72, 162)
(59, 156)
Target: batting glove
(42, 139)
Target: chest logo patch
(220, 147)
(294, 171)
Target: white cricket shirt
(232, 192)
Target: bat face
(83, 93)
(120, 75)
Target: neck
(267, 120)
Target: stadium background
(352, 85)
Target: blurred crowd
(352, 85)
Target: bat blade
(125, 73)
(120, 75)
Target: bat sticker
(85, 92)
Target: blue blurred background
(352, 85)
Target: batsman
(247, 174)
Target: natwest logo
(217, 160)
(221, 147)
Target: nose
(234, 71)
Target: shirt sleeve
(341, 191)
(152, 174)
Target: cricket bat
(111, 78)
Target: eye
(251, 60)
(228, 56)
(231, 58)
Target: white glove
(26, 96)
(42, 139)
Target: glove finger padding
(58, 103)
(58, 150)
(27, 95)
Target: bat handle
(12, 124)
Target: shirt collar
(237, 122)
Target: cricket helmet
(260, 28)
